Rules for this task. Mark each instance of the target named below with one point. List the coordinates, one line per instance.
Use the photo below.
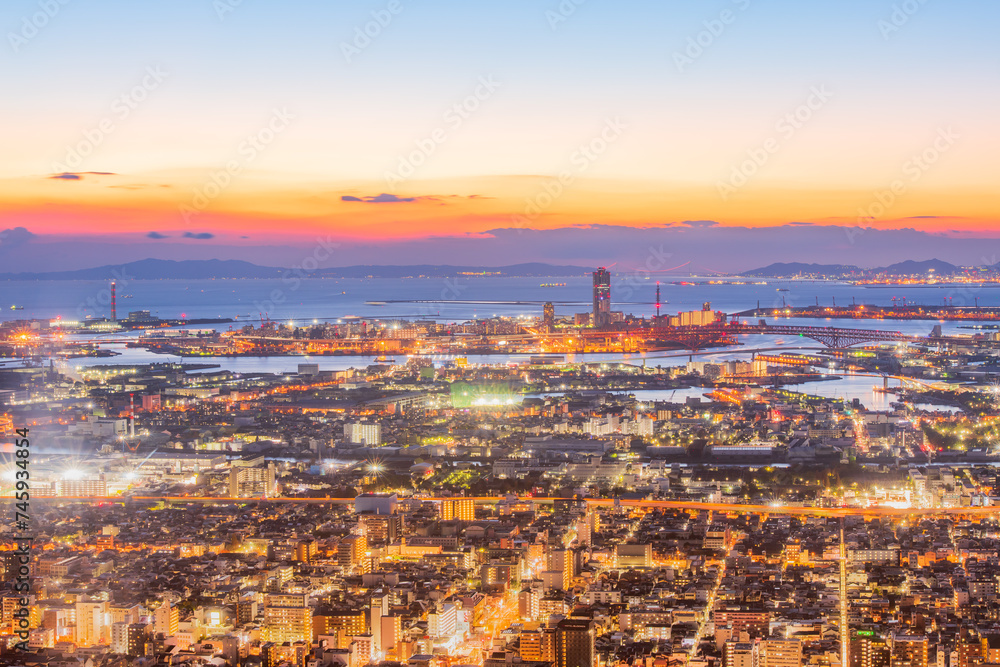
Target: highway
(777, 509)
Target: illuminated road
(844, 634)
(785, 510)
(710, 602)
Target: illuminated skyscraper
(602, 298)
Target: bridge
(834, 337)
(695, 337)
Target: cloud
(156, 235)
(11, 238)
(78, 176)
(384, 198)
(700, 223)
(201, 236)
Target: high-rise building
(458, 509)
(246, 481)
(93, 623)
(351, 551)
(119, 637)
(559, 570)
(381, 528)
(909, 651)
(969, 653)
(287, 618)
(363, 433)
(549, 316)
(166, 619)
(137, 634)
(575, 643)
(444, 622)
(531, 646)
(341, 623)
(602, 298)
(364, 648)
(868, 650)
(94, 486)
(390, 632)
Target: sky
(408, 130)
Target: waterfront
(447, 299)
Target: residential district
(536, 511)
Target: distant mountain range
(907, 268)
(206, 269)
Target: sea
(465, 297)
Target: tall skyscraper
(602, 298)
(549, 316)
(575, 645)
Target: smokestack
(114, 305)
